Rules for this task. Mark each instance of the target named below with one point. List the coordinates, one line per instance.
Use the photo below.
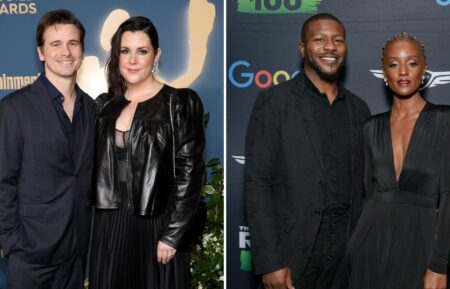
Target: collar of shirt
(311, 86)
(56, 95)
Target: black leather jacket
(152, 189)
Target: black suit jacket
(45, 197)
(284, 179)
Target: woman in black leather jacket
(149, 165)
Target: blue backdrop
(18, 57)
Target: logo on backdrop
(278, 6)
(244, 246)
(443, 2)
(200, 23)
(241, 75)
(432, 78)
(17, 7)
(14, 82)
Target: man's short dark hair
(316, 17)
(55, 17)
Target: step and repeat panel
(262, 51)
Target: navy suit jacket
(45, 196)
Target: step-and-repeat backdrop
(190, 35)
(262, 39)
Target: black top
(121, 139)
(72, 130)
(334, 133)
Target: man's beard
(327, 76)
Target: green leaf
(206, 118)
(208, 189)
(212, 162)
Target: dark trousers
(21, 275)
(326, 269)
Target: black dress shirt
(72, 130)
(334, 132)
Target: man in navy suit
(46, 162)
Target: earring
(385, 81)
(155, 68)
(423, 80)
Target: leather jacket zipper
(130, 205)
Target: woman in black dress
(402, 239)
(149, 165)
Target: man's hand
(280, 279)
(434, 280)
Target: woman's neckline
(149, 98)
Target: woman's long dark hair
(116, 84)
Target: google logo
(262, 78)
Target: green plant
(207, 256)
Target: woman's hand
(164, 253)
(434, 280)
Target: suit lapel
(304, 107)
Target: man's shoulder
(291, 85)
(19, 96)
(283, 90)
(86, 97)
(360, 104)
(357, 99)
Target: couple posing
(144, 173)
(336, 198)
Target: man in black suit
(304, 167)
(46, 162)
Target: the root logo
(244, 245)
